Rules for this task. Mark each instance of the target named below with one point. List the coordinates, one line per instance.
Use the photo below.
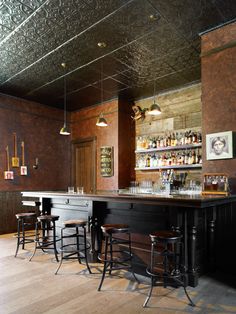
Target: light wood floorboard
(31, 287)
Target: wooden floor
(31, 287)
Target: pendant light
(101, 121)
(64, 129)
(154, 109)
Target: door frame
(94, 158)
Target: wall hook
(36, 165)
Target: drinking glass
(71, 189)
(80, 190)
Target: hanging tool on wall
(15, 160)
(8, 175)
(23, 168)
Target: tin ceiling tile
(36, 36)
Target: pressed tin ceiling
(146, 40)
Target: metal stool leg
(105, 264)
(36, 240)
(23, 234)
(130, 253)
(85, 251)
(150, 291)
(18, 236)
(59, 266)
(78, 244)
(54, 241)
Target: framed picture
(219, 145)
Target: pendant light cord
(65, 99)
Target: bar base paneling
(206, 223)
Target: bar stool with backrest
(25, 222)
(117, 250)
(166, 255)
(76, 246)
(43, 238)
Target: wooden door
(84, 164)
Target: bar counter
(207, 223)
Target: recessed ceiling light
(102, 44)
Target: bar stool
(117, 251)
(24, 221)
(78, 248)
(166, 245)
(46, 241)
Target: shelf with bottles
(182, 158)
(169, 141)
(171, 167)
(160, 149)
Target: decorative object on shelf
(8, 175)
(219, 145)
(215, 184)
(64, 130)
(15, 160)
(101, 121)
(106, 161)
(138, 112)
(36, 165)
(23, 168)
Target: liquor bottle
(162, 142)
(194, 157)
(158, 141)
(194, 137)
(189, 141)
(154, 142)
(148, 161)
(199, 137)
(190, 159)
(154, 164)
(173, 139)
(149, 143)
(169, 140)
(186, 157)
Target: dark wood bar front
(206, 223)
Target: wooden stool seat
(165, 236)
(48, 218)
(74, 223)
(25, 215)
(114, 228)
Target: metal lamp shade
(154, 110)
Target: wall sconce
(36, 165)
(101, 121)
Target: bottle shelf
(169, 148)
(171, 167)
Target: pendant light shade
(101, 121)
(64, 130)
(154, 109)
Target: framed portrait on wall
(219, 145)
